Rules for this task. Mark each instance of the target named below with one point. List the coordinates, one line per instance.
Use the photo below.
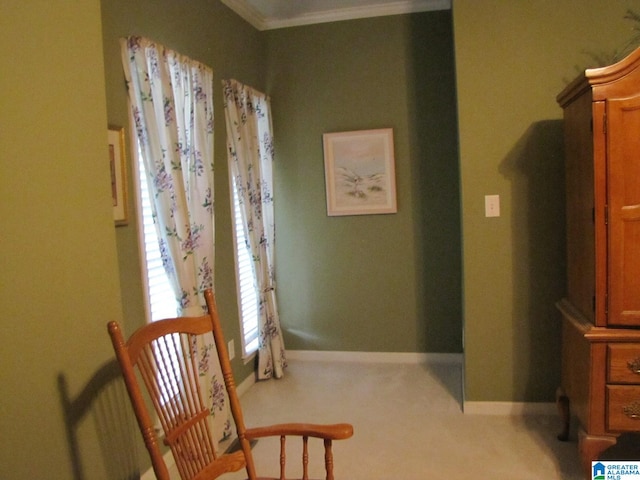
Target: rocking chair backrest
(162, 355)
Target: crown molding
(260, 22)
(246, 11)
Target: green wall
(512, 59)
(212, 34)
(395, 277)
(373, 283)
(58, 275)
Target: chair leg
(328, 459)
(283, 457)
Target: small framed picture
(359, 171)
(118, 169)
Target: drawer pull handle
(634, 365)
(632, 411)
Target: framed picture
(359, 169)
(118, 169)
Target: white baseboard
(246, 384)
(509, 408)
(374, 357)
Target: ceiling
(272, 14)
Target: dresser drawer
(623, 363)
(623, 408)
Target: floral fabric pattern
(171, 99)
(250, 154)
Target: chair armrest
(338, 431)
(228, 462)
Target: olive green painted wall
(212, 34)
(512, 59)
(58, 275)
(407, 292)
(373, 283)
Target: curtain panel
(171, 99)
(250, 155)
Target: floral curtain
(250, 156)
(171, 99)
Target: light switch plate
(492, 205)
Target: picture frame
(118, 169)
(360, 172)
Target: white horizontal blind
(248, 298)
(162, 301)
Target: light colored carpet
(408, 425)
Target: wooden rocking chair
(160, 354)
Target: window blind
(162, 301)
(248, 298)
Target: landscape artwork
(360, 172)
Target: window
(246, 283)
(161, 301)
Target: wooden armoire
(601, 311)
